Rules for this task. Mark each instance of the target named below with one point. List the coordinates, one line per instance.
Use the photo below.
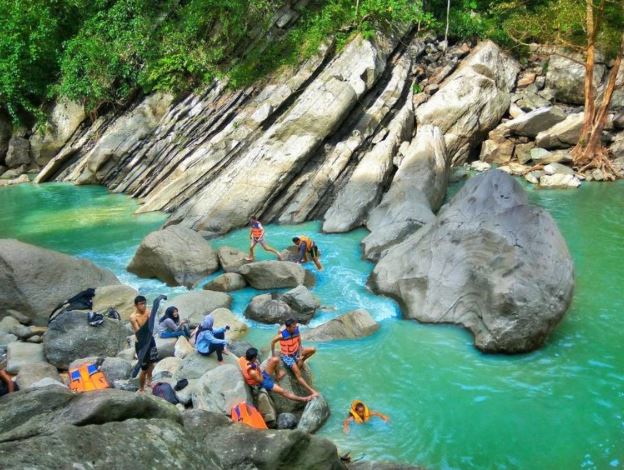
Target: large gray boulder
(562, 135)
(231, 259)
(218, 390)
(5, 135)
(227, 282)
(472, 100)
(417, 190)
(356, 324)
(223, 317)
(314, 415)
(273, 274)
(302, 302)
(114, 368)
(268, 308)
(70, 337)
(531, 124)
(289, 383)
(17, 153)
(119, 297)
(499, 266)
(30, 374)
(34, 280)
(23, 354)
(176, 255)
(63, 120)
(193, 306)
(566, 77)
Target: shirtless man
(138, 319)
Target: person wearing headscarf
(210, 339)
(170, 326)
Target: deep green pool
(450, 406)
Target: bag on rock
(86, 378)
(165, 391)
(81, 301)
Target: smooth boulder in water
(268, 308)
(176, 255)
(34, 281)
(314, 415)
(355, 324)
(490, 262)
(273, 274)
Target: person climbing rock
(359, 413)
(209, 339)
(256, 377)
(308, 251)
(257, 236)
(292, 353)
(142, 322)
(170, 326)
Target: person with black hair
(142, 322)
(257, 237)
(256, 377)
(170, 326)
(308, 251)
(292, 353)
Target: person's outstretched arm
(6, 378)
(345, 424)
(378, 414)
(273, 341)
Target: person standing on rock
(308, 251)
(256, 377)
(292, 353)
(256, 236)
(142, 321)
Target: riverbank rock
(268, 308)
(227, 282)
(220, 389)
(273, 274)
(176, 255)
(166, 368)
(472, 101)
(224, 316)
(563, 135)
(416, 191)
(559, 181)
(289, 382)
(194, 305)
(531, 124)
(114, 368)
(18, 152)
(34, 281)
(30, 374)
(62, 121)
(119, 297)
(302, 302)
(70, 337)
(356, 324)
(5, 135)
(286, 421)
(23, 354)
(566, 77)
(483, 273)
(231, 259)
(314, 415)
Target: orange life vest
(245, 366)
(257, 232)
(86, 378)
(358, 419)
(290, 343)
(308, 242)
(247, 414)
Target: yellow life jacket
(355, 415)
(289, 343)
(86, 378)
(308, 242)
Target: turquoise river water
(451, 407)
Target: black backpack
(166, 392)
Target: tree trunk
(589, 89)
(448, 14)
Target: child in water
(360, 413)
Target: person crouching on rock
(256, 377)
(292, 353)
(308, 251)
(146, 354)
(170, 326)
(209, 339)
(360, 413)
(256, 236)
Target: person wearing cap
(210, 339)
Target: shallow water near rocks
(450, 406)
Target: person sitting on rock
(209, 339)
(142, 322)
(170, 326)
(360, 413)
(292, 353)
(255, 377)
(256, 236)
(308, 251)
(6, 383)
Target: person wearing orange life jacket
(256, 377)
(256, 236)
(292, 353)
(307, 251)
(359, 413)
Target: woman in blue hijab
(211, 339)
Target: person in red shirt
(256, 237)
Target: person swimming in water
(359, 413)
